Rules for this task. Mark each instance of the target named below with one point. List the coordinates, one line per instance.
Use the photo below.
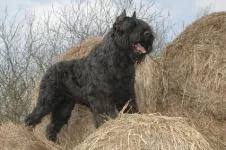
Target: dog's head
(133, 36)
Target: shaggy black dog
(103, 81)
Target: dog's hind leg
(43, 107)
(60, 116)
(36, 116)
(48, 99)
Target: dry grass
(195, 68)
(80, 125)
(190, 78)
(149, 85)
(195, 64)
(140, 132)
(15, 137)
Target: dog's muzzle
(138, 48)
(143, 46)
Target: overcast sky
(182, 12)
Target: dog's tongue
(139, 48)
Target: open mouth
(139, 48)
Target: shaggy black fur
(103, 81)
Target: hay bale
(195, 64)
(195, 67)
(137, 132)
(149, 85)
(17, 137)
(81, 50)
(192, 73)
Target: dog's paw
(52, 137)
(30, 121)
(50, 134)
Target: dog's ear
(121, 17)
(134, 15)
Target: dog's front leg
(133, 107)
(102, 110)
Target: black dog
(103, 81)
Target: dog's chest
(122, 72)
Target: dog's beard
(137, 57)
